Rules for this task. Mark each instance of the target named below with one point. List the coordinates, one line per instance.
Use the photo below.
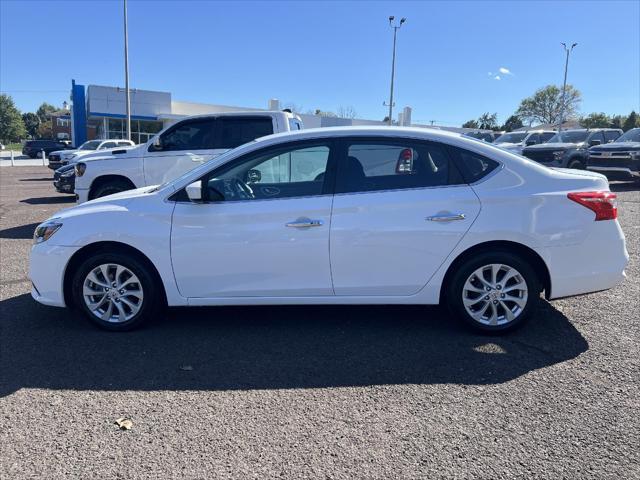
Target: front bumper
(64, 184)
(82, 195)
(47, 265)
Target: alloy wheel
(112, 293)
(495, 294)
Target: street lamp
(393, 63)
(564, 85)
(126, 71)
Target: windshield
(632, 135)
(576, 136)
(90, 145)
(511, 137)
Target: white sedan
(355, 215)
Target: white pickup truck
(174, 151)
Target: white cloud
(497, 77)
(505, 71)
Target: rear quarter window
(472, 166)
(236, 131)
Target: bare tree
(347, 112)
(294, 107)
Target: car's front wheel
(116, 291)
(494, 292)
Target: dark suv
(569, 148)
(619, 160)
(34, 148)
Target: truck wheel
(576, 164)
(111, 187)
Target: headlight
(45, 230)
(80, 168)
(68, 173)
(558, 155)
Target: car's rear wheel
(115, 291)
(494, 292)
(111, 187)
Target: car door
(262, 229)
(192, 142)
(400, 208)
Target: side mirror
(593, 143)
(194, 191)
(254, 176)
(157, 143)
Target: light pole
(393, 63)
(564, 85)
(126, 71)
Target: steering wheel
(241, 189)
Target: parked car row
(619, 160)
(59, 158)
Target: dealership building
(100, 112)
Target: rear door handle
(446, 217)
(305, 223)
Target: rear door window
(381, 164)
(546, 136)
(236, 131)
(596, 136)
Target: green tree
(470, 124)
(11, 124)
(596, 120)
(44, 130)
(617, 121)
(44, 110)
(632, 121)
(513, 123)
(545, 104)
(488, 121)
(31, 123)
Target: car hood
(119, 152)
(508, 145)
(61, 152)
(115, 202)
(616, 147)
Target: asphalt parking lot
(322, 392)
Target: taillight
(602, 203)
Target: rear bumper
(47, 265)
(596, 264)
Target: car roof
(248, 113)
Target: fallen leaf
(187, 368)
(124, 423)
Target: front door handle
(446, 217)
(305, 223)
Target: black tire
(111, 187)
(152, 302)
(575, 164)
(454, 290)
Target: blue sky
(327, 54)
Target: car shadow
(49, 200)
(275, 347)
(48, 179)
(23, 232)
